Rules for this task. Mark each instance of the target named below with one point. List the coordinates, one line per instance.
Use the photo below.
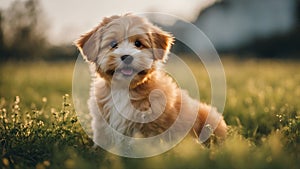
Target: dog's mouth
(127, 71)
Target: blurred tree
(2, 47)
(298, 13)
(24, 31)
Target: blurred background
(258, 42)
(45, 30)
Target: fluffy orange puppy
(131, 91)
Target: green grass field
(39, 128)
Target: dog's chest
(120, 112)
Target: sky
(70, 18)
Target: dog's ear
(89, 43)
(161, 43)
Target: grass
(39, 128)
(34, 81)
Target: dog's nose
(127, 59)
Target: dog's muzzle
(127, 59)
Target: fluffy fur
(126, 53)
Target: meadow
(39, 128)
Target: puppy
(131, 93)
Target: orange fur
(125, 31)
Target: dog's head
(125, 47)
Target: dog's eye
(113, 44)
(138, 43)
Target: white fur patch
(126, 48)
(115, 113)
